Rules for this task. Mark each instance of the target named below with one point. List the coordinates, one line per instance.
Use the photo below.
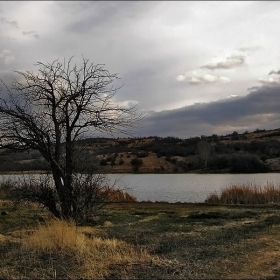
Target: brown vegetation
(116, 195)
(247, 194)
(60, 248)
(143, 240)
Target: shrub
(247, 164)
(5, 190)
(246, 194)
(213, 198)
(91, 193)
(171, 159)
(219, 162)
(103, 162)
(234, 136)
(238, 163)
(142, 154)
(136, 163)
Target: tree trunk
(68, 180)
(63, 192)
(52, 207)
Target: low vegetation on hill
(254, 152)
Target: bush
(219, 162)
(247, 164)
(171, 159)
(234, 136)
(103, 162)
(246, 194)
(142, 154)
(91, 193)
(188, 164)
(136, 163)
(238, 163)
(5, 190)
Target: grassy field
(143, 240)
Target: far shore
(136, 173)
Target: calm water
(181, 187)
(185, 187)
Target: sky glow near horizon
(196, 68)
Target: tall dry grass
(62, 249)
(247, 194)
(117, 195)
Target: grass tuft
(63, 249)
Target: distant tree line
(230, 152)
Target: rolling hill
(250, 152)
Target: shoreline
(132, 173)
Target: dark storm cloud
(230, 62)
(259, 108)
(149, 43)
(253, 88)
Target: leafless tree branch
(56, 106)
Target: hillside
(250, 152)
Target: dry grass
(117, 195)
(144, 241)
(264, 263)
(62, 249)
(247, 194)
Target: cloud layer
(258, 109)
(199, 77)
(172, 57)
(229, 62)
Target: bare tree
(53, 108)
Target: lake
(186, 187)
(181, 187)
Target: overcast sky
(197, 68)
